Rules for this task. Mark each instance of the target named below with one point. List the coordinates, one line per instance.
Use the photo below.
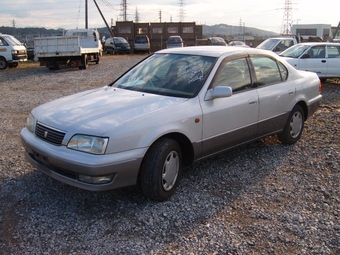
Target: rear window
(140, 39)
(174, 40)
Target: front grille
(49, 134)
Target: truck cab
(277, 44)
(12, 51)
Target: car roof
(319, 43)
(213, 51)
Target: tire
(3, 63)
(294, 126)
(84, 62)
(13, 65)
(160, 169)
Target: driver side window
(233, 73)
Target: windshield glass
(294, 51)
(268, 44)
(168, 74)
(120, 40)
(12, 40)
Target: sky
(262, 14)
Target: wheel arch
(185, 144)
(304, 108)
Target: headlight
(90, 144)
(15, 52)
(30, 123)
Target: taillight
(320, 87)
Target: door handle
(254, 101)
(291, 92)
(323, 61)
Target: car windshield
(168, 74)
(119, 40)
(294, 51)
(268, 44)
(12, 40)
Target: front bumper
(67, 165)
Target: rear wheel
(160, 169)
(3, 63)
(294, 126)
(84, 62)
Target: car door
(275, 94)
(316, 62)
(333, 60)
(230, 120)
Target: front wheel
(294, 126)
(160, 169)
(3, 63)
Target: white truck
(12, 51)
(76, 48)
(277, 44)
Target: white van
(11, 51)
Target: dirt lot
(263, 198)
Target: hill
(225, 30)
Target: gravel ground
(263, 198)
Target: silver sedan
(175, 107)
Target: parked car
(174, 41)
(141, 44)
(238, 44)
(12, 51)
(174, 108)
(116, 45)
(217, 41)
(323, 58)
(277, 44)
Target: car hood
(97, 111)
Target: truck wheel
(97, 59)
(3, 63)
(84, 62)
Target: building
(323, 31)
(159, 32)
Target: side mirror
(219, 92)
(306, 56)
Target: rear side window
(333, 51)
(268, 71)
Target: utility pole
(101, 14)
(86, 15)
(136, 16)
(181, 10)
(287, 18)
(124, 10)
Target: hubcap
(296, 124)
(170, 170)
(2, 64)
